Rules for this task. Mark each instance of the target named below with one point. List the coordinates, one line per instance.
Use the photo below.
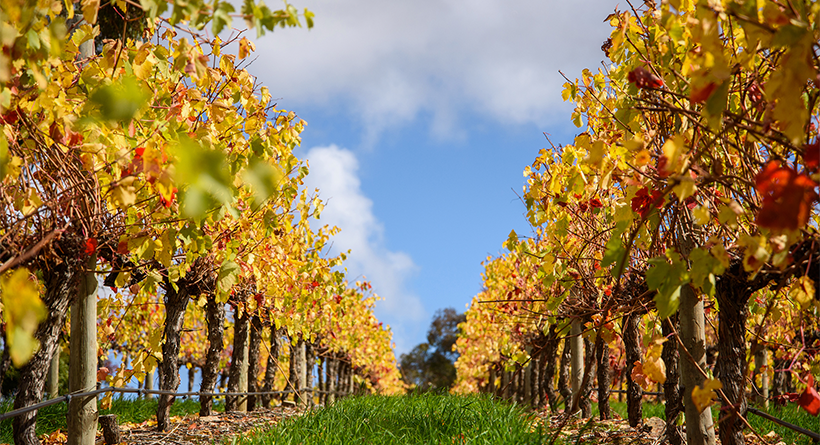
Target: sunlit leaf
(704, 397)
(23, 311)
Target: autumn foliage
(165, 163)
(699, 140)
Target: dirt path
(192, 429)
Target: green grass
(53, 418)
(411, 419)
(791, 413)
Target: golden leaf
(802, 291)
(654, 367)
(704, 397)
(90, 9)
(245, 47)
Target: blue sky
(421, 118)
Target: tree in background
(429, 365)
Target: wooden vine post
(577, 363)
(82, 368)
(53, 379)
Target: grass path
(415, 419)
(411, 419)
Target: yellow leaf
(653, 366)
(23, 311)
(757, 251)
(686, 187)
(642, 158)
(802, 291)
(595, 154)
(124, 193)
(635, 144)
(704, 397)
(245, 47)
(90, 9)
(673, 149)
(701, 215)
(69, 9)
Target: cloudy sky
(421, 118)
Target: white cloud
(388, 61)
(334, 171)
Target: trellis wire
(68, 397)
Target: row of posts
(531, 383)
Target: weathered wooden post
(53, 378)
(576, 343)
(82, 362)
(149, 384)
(762, 368)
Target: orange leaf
(90, 246)
(701, 94)
(639, 376)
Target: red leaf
(90, 246)
(139, 151)
(811, 155)
(809, 400)
(9, 118)
(662, 164)
(642, 78)
(643, 202)
(595, 203)
(55, 133)
(122, 247)
(691, 202)
(700, 95)
(74, 138)
(787, 197)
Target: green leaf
(221, 17)
(615, 250)
(120, 101)
(207, 183)
(789, 35)
(309, 18)
(33, 39)
(704, 269)
(512, 241)
(666, 275)
(263, 178)
(228, 275)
